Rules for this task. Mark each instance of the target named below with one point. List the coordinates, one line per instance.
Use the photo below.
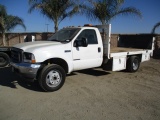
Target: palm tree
(55, 10)
(8, 22)
(155, 26)
(105, 10)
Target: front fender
(46, 55)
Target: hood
(30, 46)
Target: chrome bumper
(26, 70)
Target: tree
(105, 10)
(8, 22)
(154, 27)
(55, 10)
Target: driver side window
(90, 35)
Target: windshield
(64, 35)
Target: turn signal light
(88, 25)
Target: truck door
(90, 56)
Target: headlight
(29, 57)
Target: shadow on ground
(9, 79)
(12, 80)
(93, 72)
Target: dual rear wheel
(133, 64)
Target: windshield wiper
(64, 41)
(55, 40)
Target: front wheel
(133, 64)
(52, 77)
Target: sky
(36, 22)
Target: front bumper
(26, 70)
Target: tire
(52, 78)
(4, 59)
(133, 64)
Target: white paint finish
(82, 57)
(130, 53)
(30, 46)
(44, 50)
(145, 57)
(119, 63)
(87, 57)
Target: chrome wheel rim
(53, 78)
(135, 64)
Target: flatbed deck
(121, 49)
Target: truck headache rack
(106, 37)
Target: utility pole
(47, 27)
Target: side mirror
(81, 43)
(85, 42)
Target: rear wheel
(4, 59)
(52, 77)
(133, 64)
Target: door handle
(99, 49)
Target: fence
(15, 38)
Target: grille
(16, 55)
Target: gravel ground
(86, 95)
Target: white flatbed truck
(72, 49)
